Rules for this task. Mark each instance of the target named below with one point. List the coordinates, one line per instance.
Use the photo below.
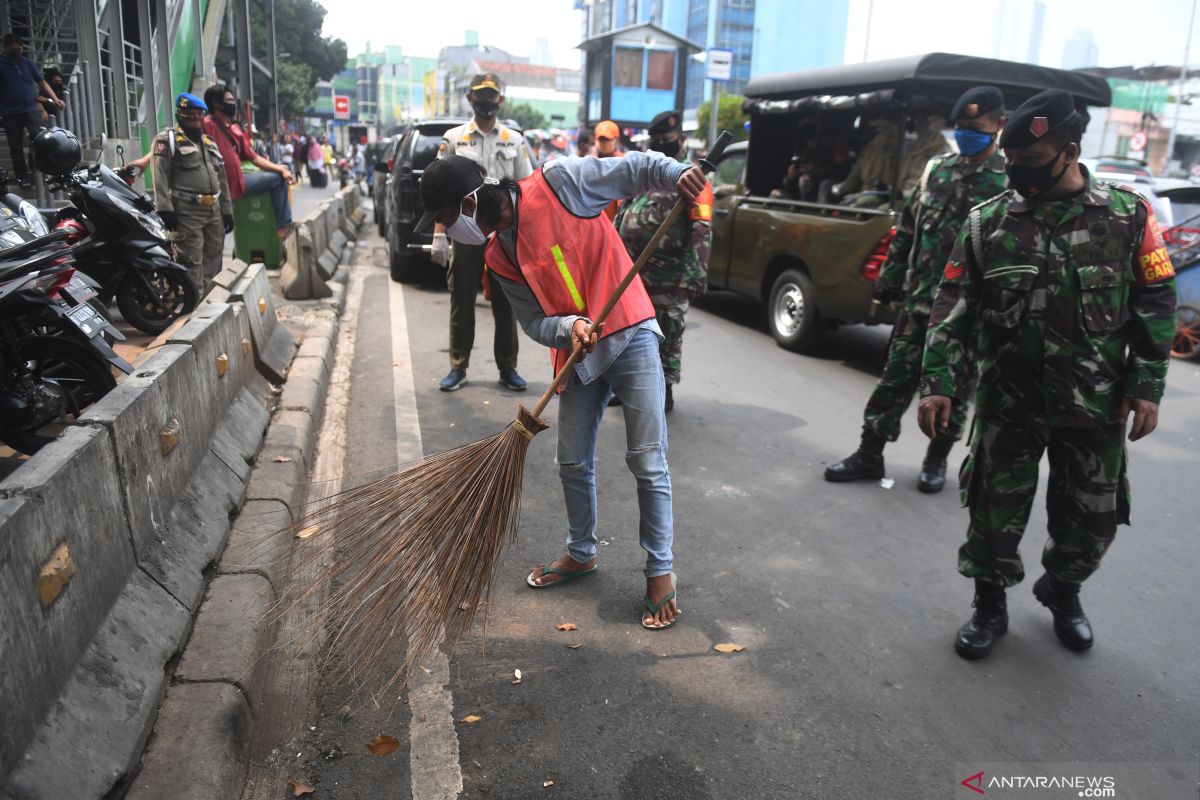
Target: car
(384, 154)
(813, 263)
(408, 252)
(1135, 175)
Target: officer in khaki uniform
(503, 154)
(191, 191)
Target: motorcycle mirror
(121, 154)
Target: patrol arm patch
(702, 206)
(1153, 263)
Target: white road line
(433, 741)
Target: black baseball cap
(444, 184)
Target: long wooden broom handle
(707, 164)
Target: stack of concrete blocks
(105, 536)
(315, 249)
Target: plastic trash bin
(254, 237)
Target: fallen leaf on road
(470, 719)
(307, 532)
(567, 626)
(281, 459)
(547, 784)
(516, 676)
(299, 789)
(574, 646)
(382, 745)
(729, 647)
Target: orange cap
(607, 130)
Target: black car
(385, 150)
(408, 252)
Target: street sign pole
(718, 67)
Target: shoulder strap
(975, 220)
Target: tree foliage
(730, 117)
(303, 56)
(525, 115)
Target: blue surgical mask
(972, 143)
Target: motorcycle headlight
(34, 219)
(153, 225)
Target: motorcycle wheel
(81, 374)
(151, 301)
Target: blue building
(765, 36)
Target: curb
(201, 741)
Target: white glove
(441, 250)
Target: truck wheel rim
(789, 309)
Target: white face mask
(465, 230)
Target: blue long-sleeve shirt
(586, 186)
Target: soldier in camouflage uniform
(929, 222)
(677, 273)
(1064, 289)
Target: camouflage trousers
(901, 379)
(1087, 497)
(670, 306)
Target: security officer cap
(665, 122)
(444, 184)
(1041, 114)
(189, 100)
(487, 80)
(977, 102)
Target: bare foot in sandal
(665, 613)
(564, 569)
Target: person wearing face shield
(502, 153)
(930, 219)
(1063, 287)
(191, 191)
(558, 260)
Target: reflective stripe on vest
(556, 251)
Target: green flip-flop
(566, 576)
(653, 608)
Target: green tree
(730, 117)
(303, 56)
(526, 115)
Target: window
(730, 169)
(627, 67)
(660, 70)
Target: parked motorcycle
(117, 237)
(54, 359)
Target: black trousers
(15, 126)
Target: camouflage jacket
(1070, 307)
(681, 260)
(930, 220)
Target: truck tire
(792, 311)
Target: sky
(1141, 32)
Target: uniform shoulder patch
(160, 146)
(701, 210)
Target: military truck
(864, 132)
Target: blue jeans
(636, 377)
(273, 182)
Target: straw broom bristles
(415, 551)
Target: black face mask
(670, 149)
(1033, 182)
(485, 108)
(229, 109)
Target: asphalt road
(845, 597)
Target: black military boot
(1071, 625)
(933, 471)
(989, 622)
(864, 463)
(670, 402)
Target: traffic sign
(1137, 142)
(341, 106)
(718, 64)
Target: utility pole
(867, 38)
(1187, 50)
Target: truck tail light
(873, 264)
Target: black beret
(976, 102)
(1041, 114)
(666, 122)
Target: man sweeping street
(1063, 288)
(929, 222)
(558, 260)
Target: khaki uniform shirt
(502, 152)
(184, 167)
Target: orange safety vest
(572, 264)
